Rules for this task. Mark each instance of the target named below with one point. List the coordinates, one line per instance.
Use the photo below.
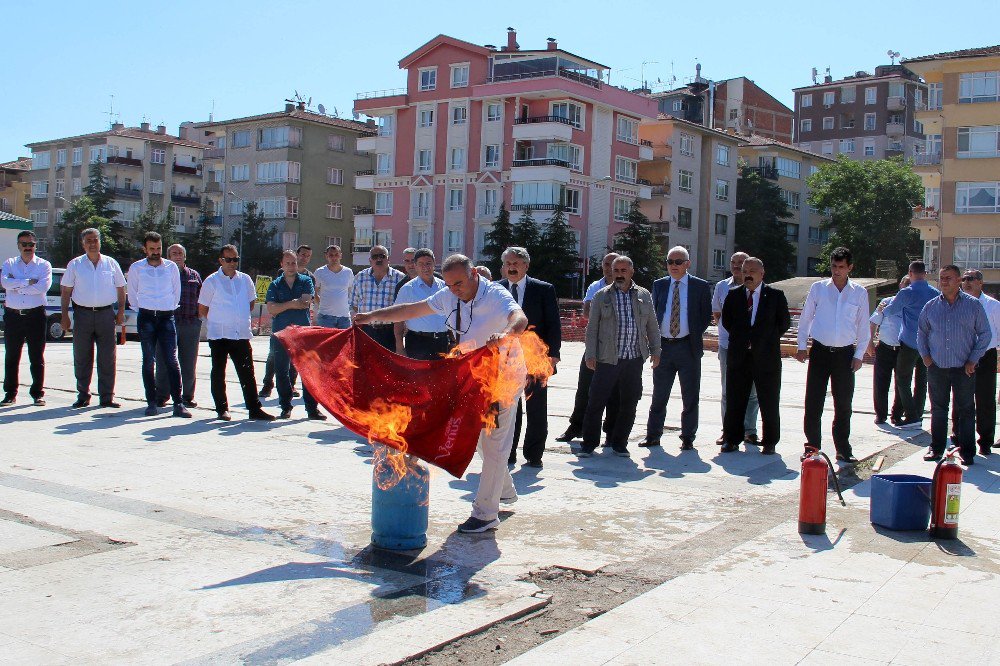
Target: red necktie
(750, 304)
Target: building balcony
(365, 221)
(543, 128)
(131, 192)
(895, 103)
(215, 220)
(364, 180)
(189, 170)
(212, 187)
(924, 214)
(645, 150)
(381, 99)
(561, 72)
(362, 210)
(927, 162)
(895, 128)
(660, 190)
(186, 197)
(371, 144)
(534, 206)
(768, 172)
(124, 161)
(542, 168)
(215, 153)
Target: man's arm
(923, 333)
(805, 324)
(120, 318)
(864, 335)
(517, 322)
(653, 338)
(984, 335)
(132, 286)
(394, 313)
(64, 296)
(705, 300)
(784, 317)
(553, 326)
(399, 330)
(897, 303)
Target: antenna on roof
(815, 73)
(110, 113)
(322, 109)
(211, 113)
(892, 54)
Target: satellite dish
(322, 109)
(355, 114)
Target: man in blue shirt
(953, 334)
(288, 301)
(425, 338)
(908, 303)
(885, 331)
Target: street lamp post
(242, 222)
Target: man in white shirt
(333, 287)
(27, 279)
(154, 291)
(478, 313)
(722, 289)
(986, 370)
(225, 302)
(424, 338)
(835, 315)
(94, 283)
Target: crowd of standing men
(421, 314)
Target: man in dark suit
(683, 311)
(538, 300)
(756, 317)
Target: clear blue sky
(168, 61)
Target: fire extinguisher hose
(836, 481)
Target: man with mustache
(375, 288)
(27, 279)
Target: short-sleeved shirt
(417, 290)
(595, 287)
(718, 298)
(228, 300)
(481, 318)
(280, 292)
(334, 290)
(368, 295)
(888, 326)
(94, 286)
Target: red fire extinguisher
(816, 467)
(946, 494)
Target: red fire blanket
(433, 410)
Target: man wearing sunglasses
(986, 370)
(27, 279)
(374, 288)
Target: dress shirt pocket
(851, 311)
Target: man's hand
(655, 360)
(855, 364)
(801, 355)
(31, 280)
(592, 363)
(363, 318)
(65, 323)
(120, 318)
(495, 339)
(870, 350)
(970, 369)
(928, 361)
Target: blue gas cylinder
(399, 511)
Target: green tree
(259, 251)
(115, 238)
(498, 239)
(555, 259)
(151, 219)
(203, 244)
(871, 205)
(639, 242)
(527, 233)
(80, 215)
(760, 224)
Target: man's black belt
(24, 311)
(77, 306)
(156, 313)
(817, 343)
(428, 334)
(671, 340)
(886, 344)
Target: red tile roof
(309, 116)
(964, 53)
(21, 164)
(128, 132)
(764, 141)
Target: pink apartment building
(477, 126)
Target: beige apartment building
(14, 186)
(959, 221)
(692, 178)
(142, 165)
(788, 167)
(298, 166)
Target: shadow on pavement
(675, 466)
(820, 542)
(759, 470)
(609, 471)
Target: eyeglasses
(230, 260)
(457, 312)
(27, 245)
(969, 278)
(676, 262)
(379, 256)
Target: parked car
(53, 309)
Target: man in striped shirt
(375, 288)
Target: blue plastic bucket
(901, 501)
(399, 512)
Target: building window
(158, 156)
(278, 172)
(570, 111)
(77, 156)
(828, 123)
(383, 203)
(818, 235)
(721, 224)
(457, 162)
(494, 111)
(459, 76)
(77, 187)
(459, 115)
(977, 252)
(848, 94)
(39, 189)
(241, 139)
(806, 146)
(722, 189)
(335, 176)
(426, 118)
(275, 207)
(422, 207)
(869, 147)
(456, 199)
(41, 160)
(625, 169)
(334, 211)
(572, 202)
(790, 198)
(155, 186)
(932, 198)
(383, 164)
(722, 155)
(678, 105)
(384, 124)
(622, 208)
(974, 198)
(869, 122)
(871, 95)
(718, 259)
(537, 194)
(97, 154)
(424, 161)
(974, 87)
(807, 100)
(60, 187)
(40, 218)
(334, 240)
(806, 125)
(239, 172)
(734, 114)
(488, 204)
(847, 145)
(829, 98)
(827, 148)
(787, 167)
(687, 144)
(685, 180)
(492, 160)
(428, 79)
(683, 218)
(455, 241)
(279, 137)
(572, 155)
(628, 130)
(975, 142)
(60, 157)
(335, 142)
(935, 96)
(792, 232)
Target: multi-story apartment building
(14, 186)
(960, 168)
(297, 165)
(788, 167)
(142, 165)
(478, 126)
(693, 177)
(864, 116)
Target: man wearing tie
(684, 310)
(541, 307)
(756, 317)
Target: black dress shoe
(568, 436)
(931, 456)
(285, 414)
(729, 447)
(968, 462)
(225, 416)
(162, 402)
(265, 392)
(81, 403)
(190, 403)
(687, 445)
(110, 403)
(261, 415)
(751, 438)
(537, 464)
(850, 460)
(721, 440)
(316, 416)
(767, 450)
(985, 450)
(649, 443)
(7, 401)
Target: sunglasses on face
(27, 245)
(379, 256)
(676, 262)
(969, 278)
(230, 260)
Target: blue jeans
(282, 380)
(158, 331)
(331, 321)
(945, 383)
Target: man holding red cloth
(478, 313)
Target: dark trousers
(157, 333)
(583, 396)
(188, 341)
(742, 375)
(282, 375)
(382, 334)
(425, 347)
(946, 384)
(242, 355)
(20, 329)
(829, 366)
(911, 382)
(268, 382)
(885, 365)
(676, 359)
(94, 328)
(985, 398)
(627, 376)
(536, 399)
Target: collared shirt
(93, 285)
(992, 307)
(333, 289)
(888, 326)
(836, 317)
(482, 317)
(228, 300)
(187, 309)
(16, 273)
(281, 292)
(368, 295)
(953, 334)
(909, 302)
(595, 287)
(683, 291)
(417, 290)
(718, 298)
(154, 287)
(521, 284)
(628, 334)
